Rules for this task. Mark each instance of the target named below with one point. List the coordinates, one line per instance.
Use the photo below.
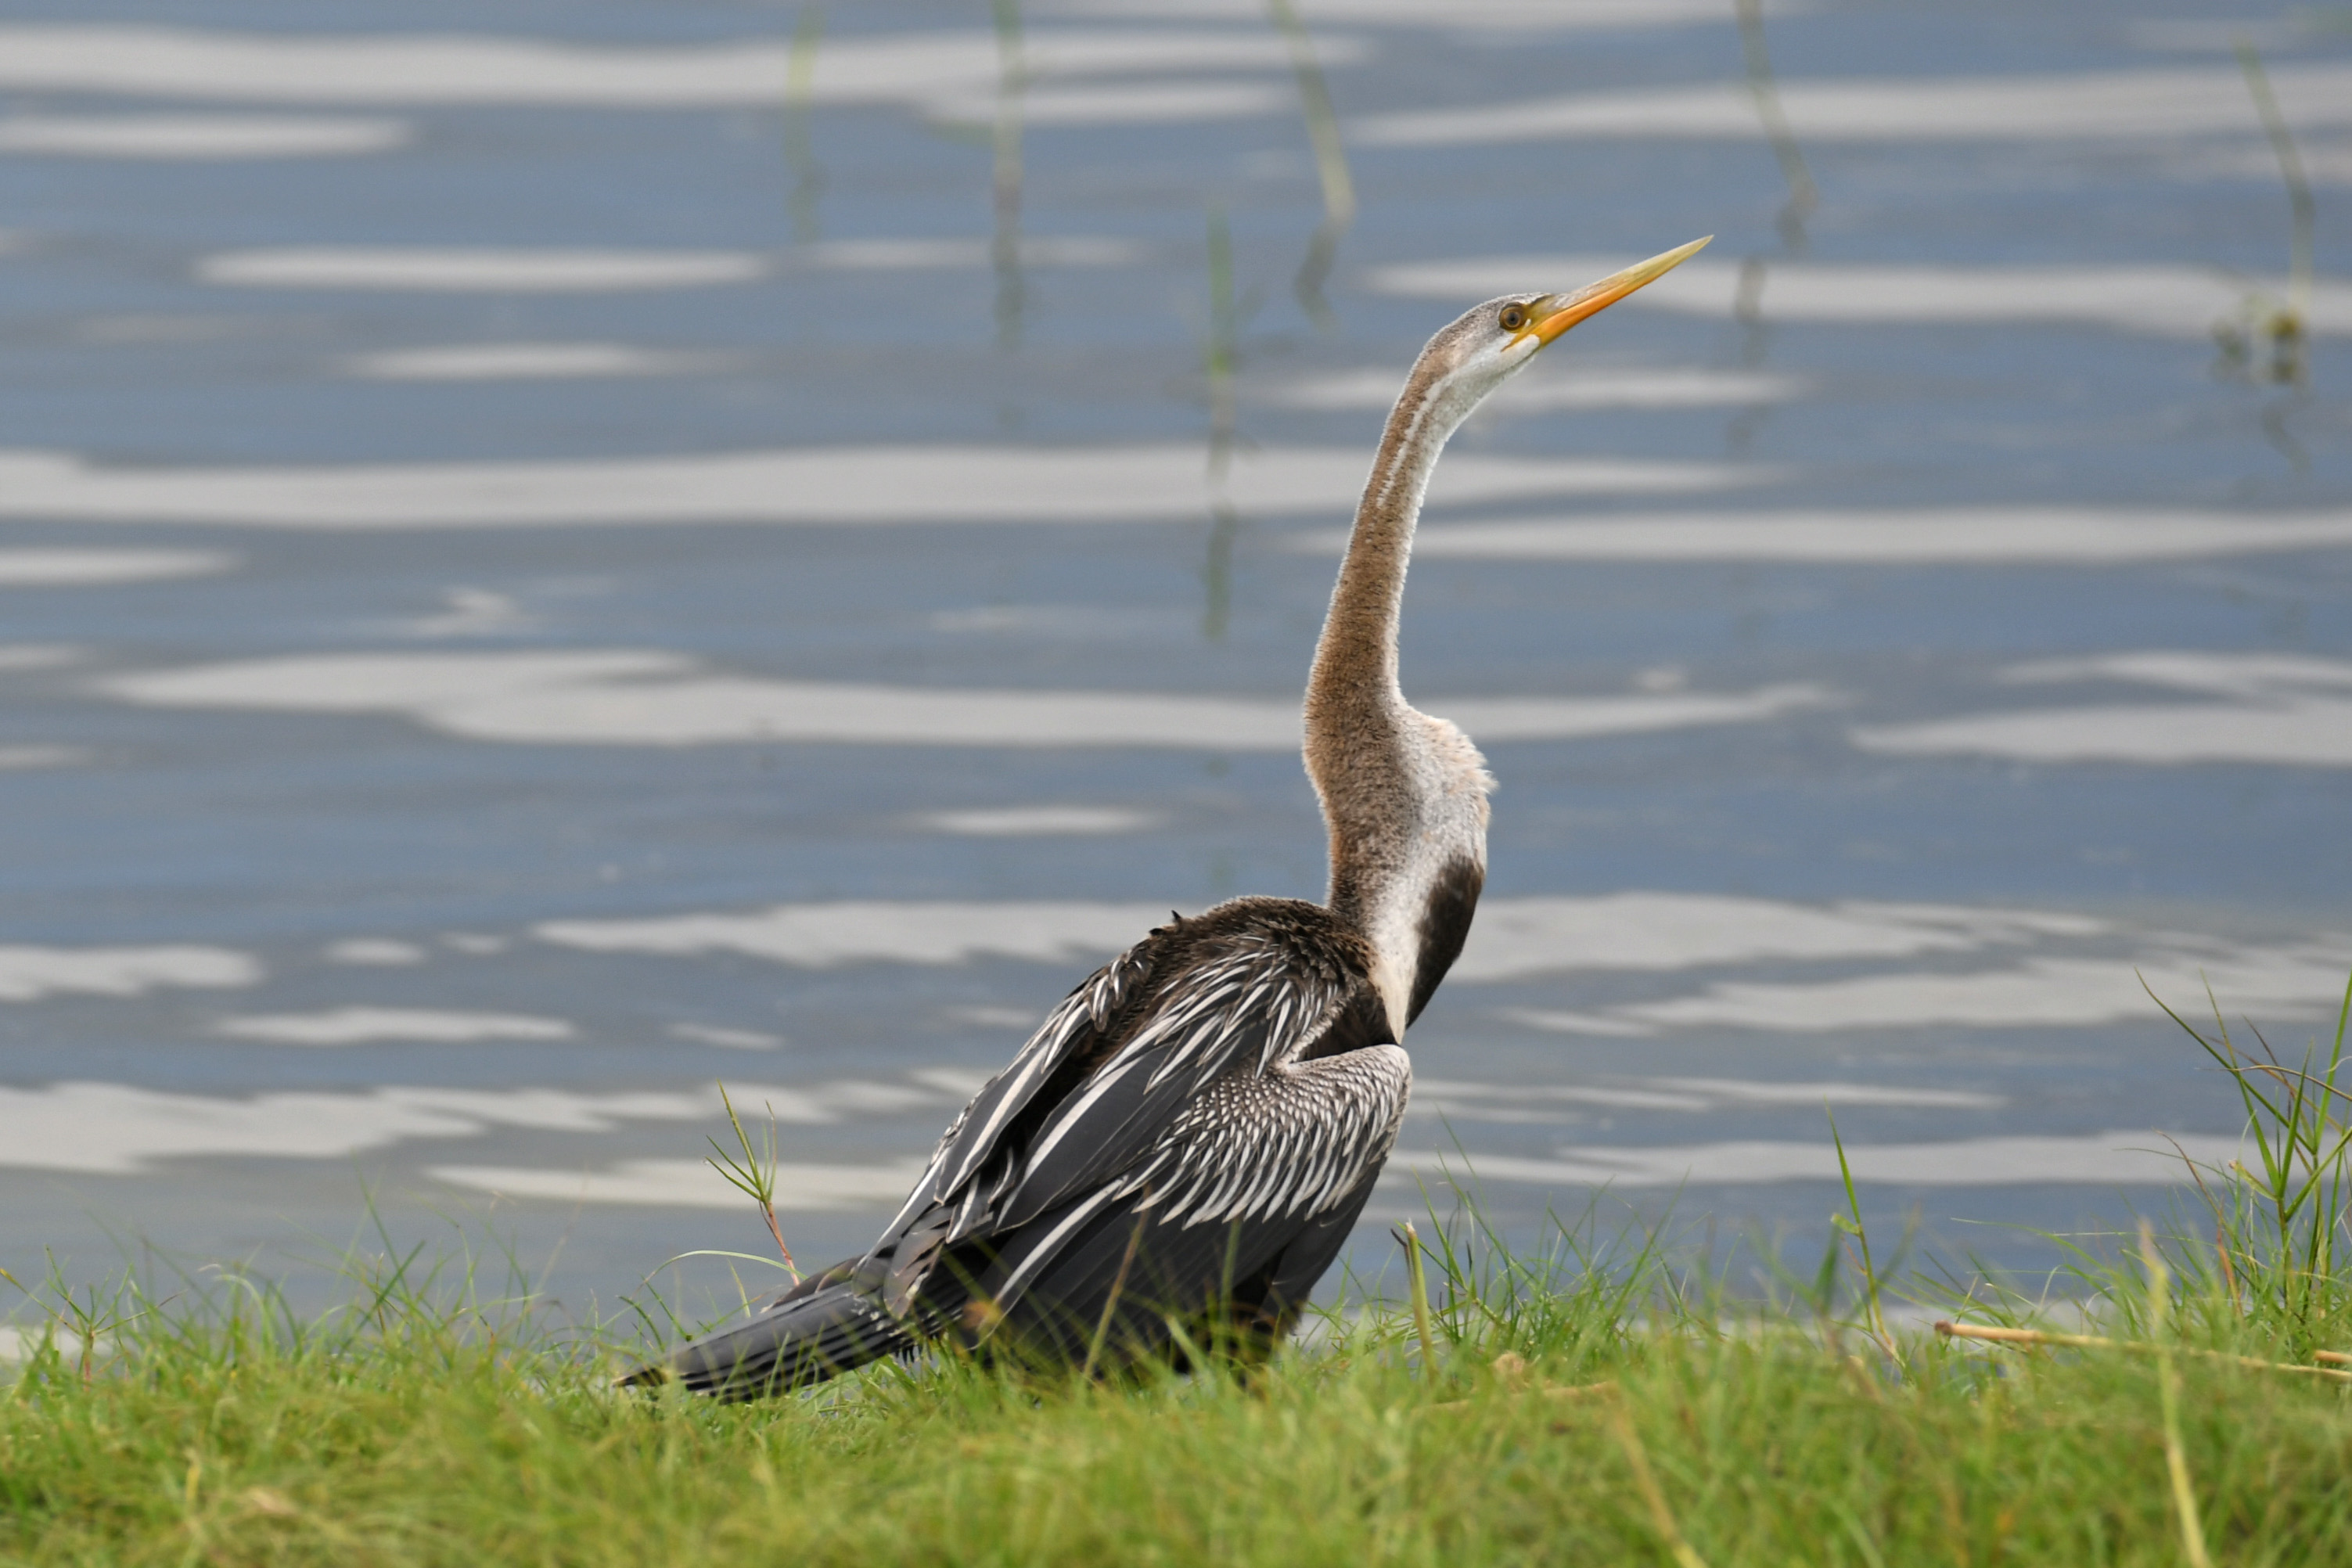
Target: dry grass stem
(2097, 1343)
(1621, 1425)
(2175, 1454)
(1564, 1392)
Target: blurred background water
(553, 556)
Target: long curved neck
(1355, 672)
(1365, 746)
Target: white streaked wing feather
(1292, 1142)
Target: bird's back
(1188, 1137)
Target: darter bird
(1177, 1154)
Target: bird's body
(1180, 1152)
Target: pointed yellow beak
(1555, 313)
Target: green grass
(432, 1420)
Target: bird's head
(1490, 344)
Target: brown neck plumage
(1355, 713)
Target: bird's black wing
(1234, 992)
(1236, 1209)
(1071, 1033)
(1221, 1091)
(1235, 1008)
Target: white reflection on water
(37, 656)
(821, 485)
(2327, 163)
(1539, 1104)
(2118, 1158)
(2283, 709)
(66, 568)
(1039, 820)
(731, 1040)
(1895, 536)
(17, 759)
(1581, 387)
(2173, 102)
(908, 67)
(1158, 103)
(376, 952)
(198, 136)
(2290, 984)
(1495, 15)
(646, 699)
(2167, 301)
(1515, 938)
(927, 255)
(535, 271)
(119, 1129)
(691, 1183)
(545, 270)
(823, 936)
(30, 974)
(367, 1025)
(534, 362)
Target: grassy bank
(1607, 1404)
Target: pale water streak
(14, 759)
(380, 953)
(1579, 387)
(33, 973)
(534, 362)
(367, 1025)
(487, 269)
(1518, 938)
(120, 1128)
(479, 271)
(2281, 709)
(2160, 298)
(814, 485)
(198, 137)
(800, 1187)
(1039, 820)
(2298, 982)
(936, 255)
(1513, 939)
(1465, 16)
(1158, 103)
(910, 68)
(1892, 536)
(2173, 102)
(1453, 1100)
(826, 935)
(71, 568)
(19, 656)
(2124, 1158)
(649, 699)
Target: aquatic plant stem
(1004, 245)
(1803, 195)
(2302, 209)
(800, 157)
(1330, 165)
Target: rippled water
(555, 555)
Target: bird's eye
(1513, 317)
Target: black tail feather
(800, 1339)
